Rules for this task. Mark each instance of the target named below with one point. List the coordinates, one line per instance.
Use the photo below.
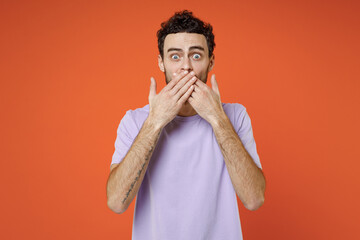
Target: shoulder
(139, 113)
(237, 114)
(233, 106)
(137, 116)
(234, 110)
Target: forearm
(247, 179)
(125, 180)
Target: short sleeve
(126, 134)
(245, 133)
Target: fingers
(175, 79)
(214, 85)
(182, 82)
(152, 88)
(186, 96)
(201, 84)
(204, 87)
(186, 86)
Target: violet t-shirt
(187, 192)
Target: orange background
(71, 69)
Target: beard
(168, 77)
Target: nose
(186, 65)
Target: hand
(206, 101)
(167, 104)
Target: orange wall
(70, 69)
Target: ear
(161, 63)
(212, 62)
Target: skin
(186, 64)
(186, 52)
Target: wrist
(153, 123)
(219, 120)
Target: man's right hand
(166, 105)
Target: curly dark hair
(184, 21)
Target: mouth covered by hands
(184, 86)
(206, 100)
(165, 105)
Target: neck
(187, 110)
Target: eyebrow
(191, 48)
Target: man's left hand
(206, 101)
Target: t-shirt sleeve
(126, 134)
(245, 133)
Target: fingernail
(192, 73)
(186, 72)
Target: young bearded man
(186, 155)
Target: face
(186, 51)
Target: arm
(247, 179)
(126, 177)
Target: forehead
(184, 41)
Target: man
(185, 155)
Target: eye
(175, 57)
(196, 56)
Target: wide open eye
(175, 57)
(196, 56)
